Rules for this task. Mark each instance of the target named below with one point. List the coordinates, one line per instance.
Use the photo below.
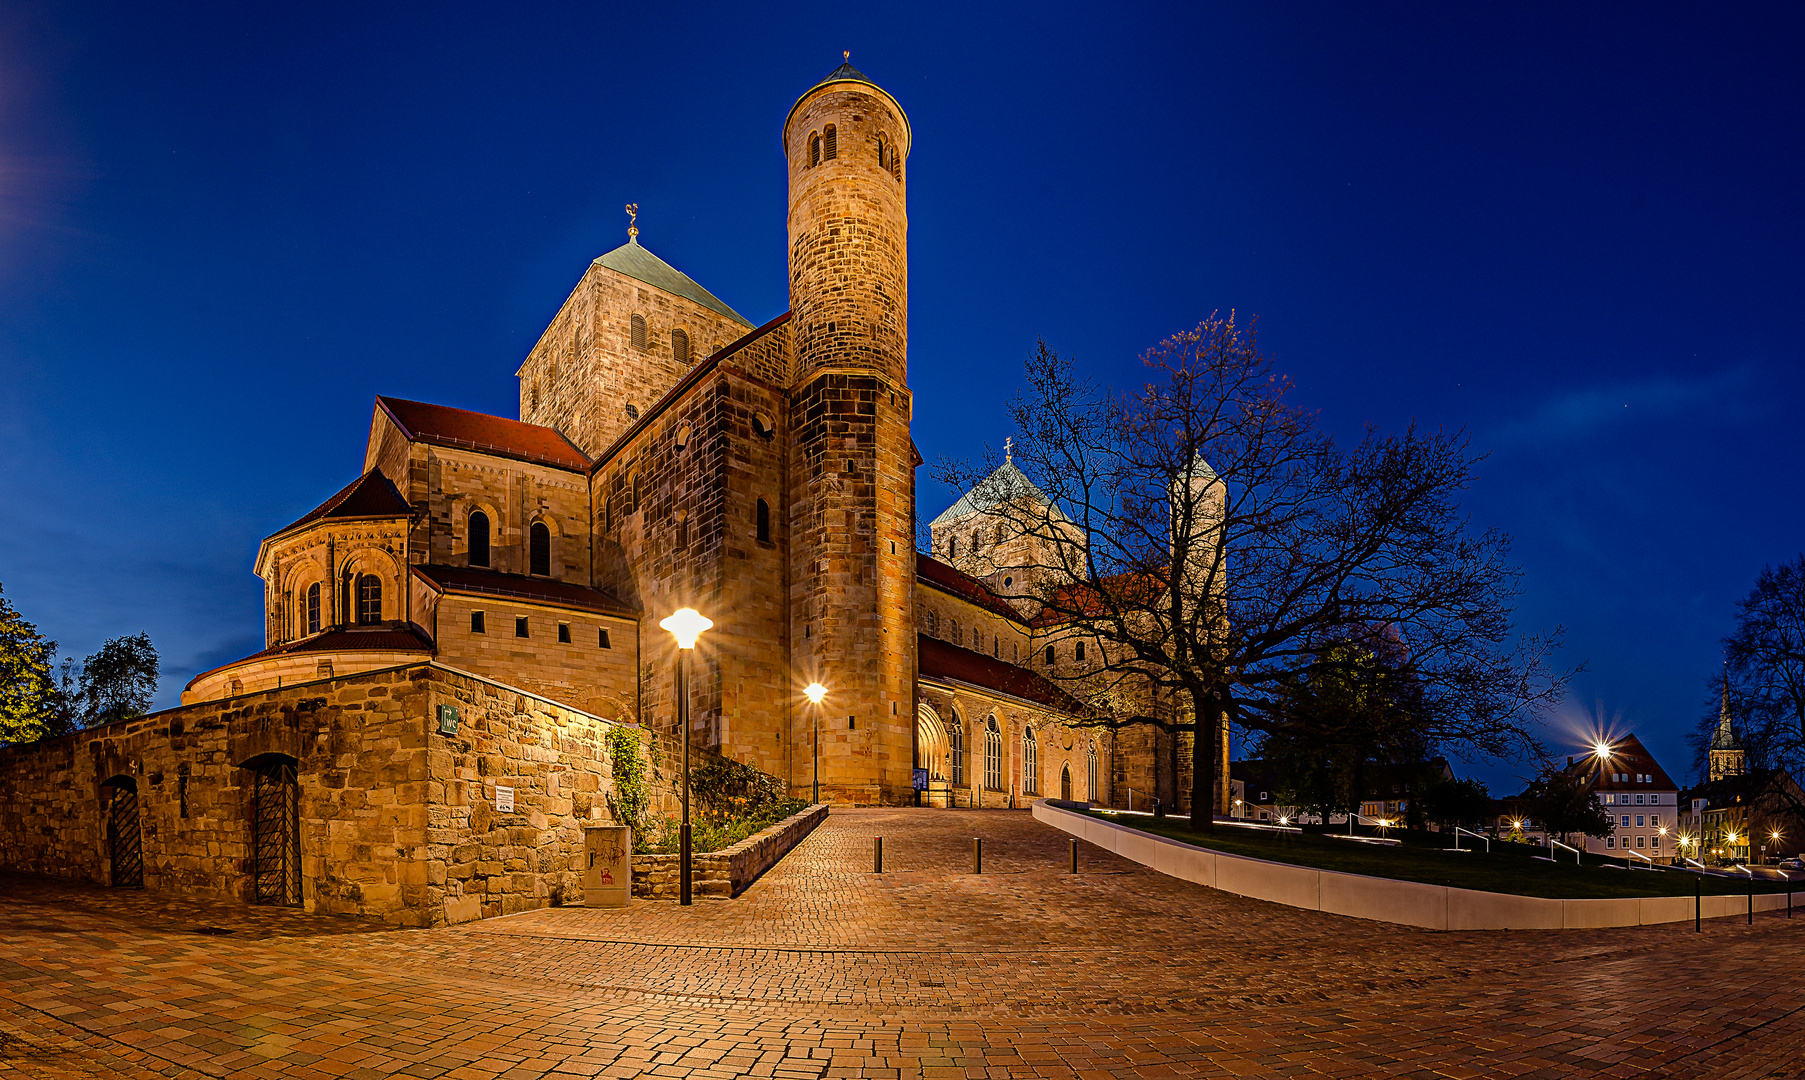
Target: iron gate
(123, 843)
(276, 834)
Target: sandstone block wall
(722, 875)
(398, 822)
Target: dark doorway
(1065, 783)
(275, 832)
(125, 846)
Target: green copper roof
(1007, 484)
(636, 262)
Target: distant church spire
(1728, 758)
(632, 223)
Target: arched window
(764, 522)
(977, 640)
(814, 150)
(932, 623)
(896, 166)
(1050, 655)
(313, 608)
(369, 600)
(955, 749)
(479, 538)
(999, 537)
(1090, 769)
(1065, 782)
(993, 756)
(638, 324)
(952, 631)
(540, 549)
(1030, 762)
(952, 548)
(883, 153)
(829, 142)
(680, 346)
(1078, 652)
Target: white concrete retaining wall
(1412, 903)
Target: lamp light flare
(686, 625)
(815, 692)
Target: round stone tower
(852, 472)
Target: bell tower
(852, 497)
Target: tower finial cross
(1008, 450)
(633, 222)
(846, 55)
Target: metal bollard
(1074, 854)
(1698, 892)
(977, 855)
(1751, 900)
(877, 854)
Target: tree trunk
(1206, 738)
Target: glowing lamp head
(1602, 749)
(686, 625)
(1284, 820)
(815, 693)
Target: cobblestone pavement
(824, 970)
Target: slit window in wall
(520, 626)
(830, 142)
(540, 545)
(479, 538)
(952, 548)
(1078, 652)
(814, 150)
(313, 608)
(602, 639)
(637, 331)
(764, 522)
(564, 633)
(682, 528)
(476, 622)
(369, 600)
(680, 346)
(1050, 655)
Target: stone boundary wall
(1410, 903)
(723, 875)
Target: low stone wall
(723, 875)
(1410, 903)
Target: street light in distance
(686, 625)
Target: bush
(729, 801)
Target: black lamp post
(685, 624)
(815, 693)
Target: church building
(671, 453)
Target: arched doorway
(125, 847)
(933, 750)
(1065, 782)
(275, 831)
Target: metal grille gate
(123, 844)
(276, 840)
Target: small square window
(1626, 821)
(1610, 841)
(603, 639)
(564, 633)
(520, 626)
(1638, 820)
(1638, 800)
(476, 622)
(1640, 841)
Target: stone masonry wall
(722, 875)
(398, 822)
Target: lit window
(541, 549)
(520, 626)
(369, 600)
(564, 633)
(955, 750)
(1091, 790)
(993, 755)
(313, 608)
(479, 539)
(1030, 762)
(476, 622)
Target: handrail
(1477, 836)
(1627, 865)
(1553, 843)
(1693, 861)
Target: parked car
(1792, 864)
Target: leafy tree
(1215, 545)
(27, 689)
(1560, 800)
(1461, 801)
(119, 680)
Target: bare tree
(1765, 671)
(1213, 543)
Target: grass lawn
(1509, 868)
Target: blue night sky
(1576, 235)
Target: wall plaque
(504, 799)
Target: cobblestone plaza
(823, 969)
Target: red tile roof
(369, 496)
(963, 585)
(941, 660)
(408, 638)
(468, 581)
(442, 425)
(1628, 758)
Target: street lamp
(686, 625)
(815, 693)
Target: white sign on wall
(504, 799)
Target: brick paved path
(824, 970)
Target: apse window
(520, 626)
